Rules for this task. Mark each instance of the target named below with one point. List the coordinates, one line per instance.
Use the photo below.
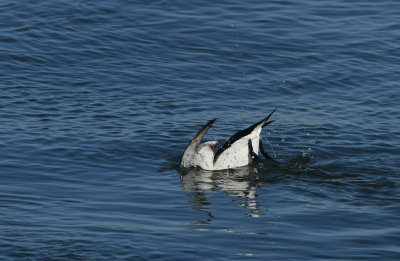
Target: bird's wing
(241, 134)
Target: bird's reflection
(241, 183)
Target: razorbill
(239, 150)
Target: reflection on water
(242, 182)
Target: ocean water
(99, 99)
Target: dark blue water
(99, 99)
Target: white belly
(238, 154)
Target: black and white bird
(239, 150)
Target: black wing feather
(241, 134)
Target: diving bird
(239, 150)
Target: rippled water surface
(99, 99)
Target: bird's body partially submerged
(238, 151)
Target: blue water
(99, 99)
